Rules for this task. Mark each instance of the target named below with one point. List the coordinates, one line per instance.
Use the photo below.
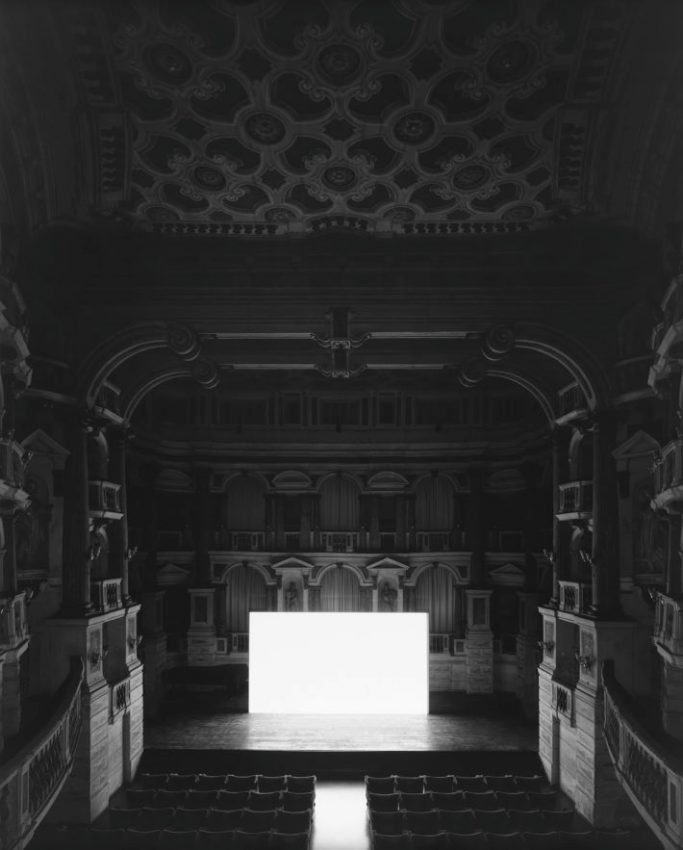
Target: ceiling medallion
(400, 215)
(168, 63)
(208, 177)
(265, 128)
(520, 212)
(280, 215)
(510, 62)
(339, 177)
(162, 215)
(339, 63)
(414, 128)
(470, 177)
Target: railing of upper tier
(575, 497)
(571, 399)
(106, 594)
(646, 768)
(668, 625)
(669, 467)
(631, 374)
(575, 596)
(31, 780)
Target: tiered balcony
(575, 500)
(668, 627)
(575, 597)
(646, 767)
(105, 595)
(339, 541)
(434, 541)
(104, 499)
(237, 643)
(246, 541)
(13, 621)
(669, 474)
(32, 779)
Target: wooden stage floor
(209, 729)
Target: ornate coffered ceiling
(429, 116)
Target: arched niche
(340, 590)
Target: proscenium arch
(139, 392)
(569, 353)
(127, 343)
(525, 383)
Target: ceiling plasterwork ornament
(417, 117)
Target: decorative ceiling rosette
(397, 114)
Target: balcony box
(631, 377)
(571, 402)
(575, 500)
(339, 541)
(668, 474)
(668, 626)
(104, 500)
(13, 621)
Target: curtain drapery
(340, 591)
(339, 504)
(435, 593)
(434, 504)
(245, 592)
(246, 505)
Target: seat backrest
(240, 782)
(172, 839)
(263, 800)
(256, 821)
(443, 783)
(300, 784)
(230, 800)
(215, 839)
(210, 782)
(181, 781)
(481, 800)
(383, 802)
(410, 784)
(294, 801)
(418, 802)
(380, 784)
(271, 783)
(453, 801)
(470, 783)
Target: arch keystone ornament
(183, 342)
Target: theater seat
(271, 783)
(293, 801)
(139, 797)
(443, 784)
(230, 800)
(151, 780)
(122, 818)
(141, 839)
(255, 821)
(290, 840)
(105, 839)
(190, 818)
(531, 783)
(423, 823)
(383, 802)
(292, 822)
(300, 784)
(460, 822)
(416, 802)
(452, 802)
(465, 841)
(215, 839)
(163, 799)
(218, 820)
(514, 801)
(252, 840)
(479, 800)
(387, 823)
(200, 799)
(409, 784)
(263, 801)
(181, 781)
(151, 818)
(496, 822)
(240, 782)
(210, 782)
(533, 822)
(501, 783)
(172, 839)
(426, 842)
(379, 784)
(381, 841)
(505, 841)
(470, 783)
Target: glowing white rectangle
(346, 663)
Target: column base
(479, 661)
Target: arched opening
(436, 593)
(339, 504)
(245, 591)
(340, 591)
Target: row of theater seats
(498, 822)
(292, 801)
(91, 838)
(248, 820)
(456, 801)
(451, 782)
(225, 782)
(556, 840)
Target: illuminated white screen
(346, 663)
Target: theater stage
(207, 733)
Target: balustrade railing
(668, 625)
(438, 643)
(646, 767)
(575, 596)
(104, 497)
(434, 541)
(31, 780)
(339, 541)
(13, 620)
(246, 541)
(106, 594)
(119, 697)
(575, 497)
(238, 642)
(669, 467)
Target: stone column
(204, 525)
(77, 557)
(527, 654)
(672, 697)
(475, 525)
(118, 531)
(673, 583)
(559, 448)
(479, 645)
(374, 523)
(605, 554)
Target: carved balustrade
(339, 541)
(668, 625)
(106, 594)
(31, 780)
(104, 499)
(434, 541)
(238, 643)
(119, 697)
(669, 468)
(576, 497)
(438, 643)
(247, 541)
(645, 766)
(571, 400)
(575, 596)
